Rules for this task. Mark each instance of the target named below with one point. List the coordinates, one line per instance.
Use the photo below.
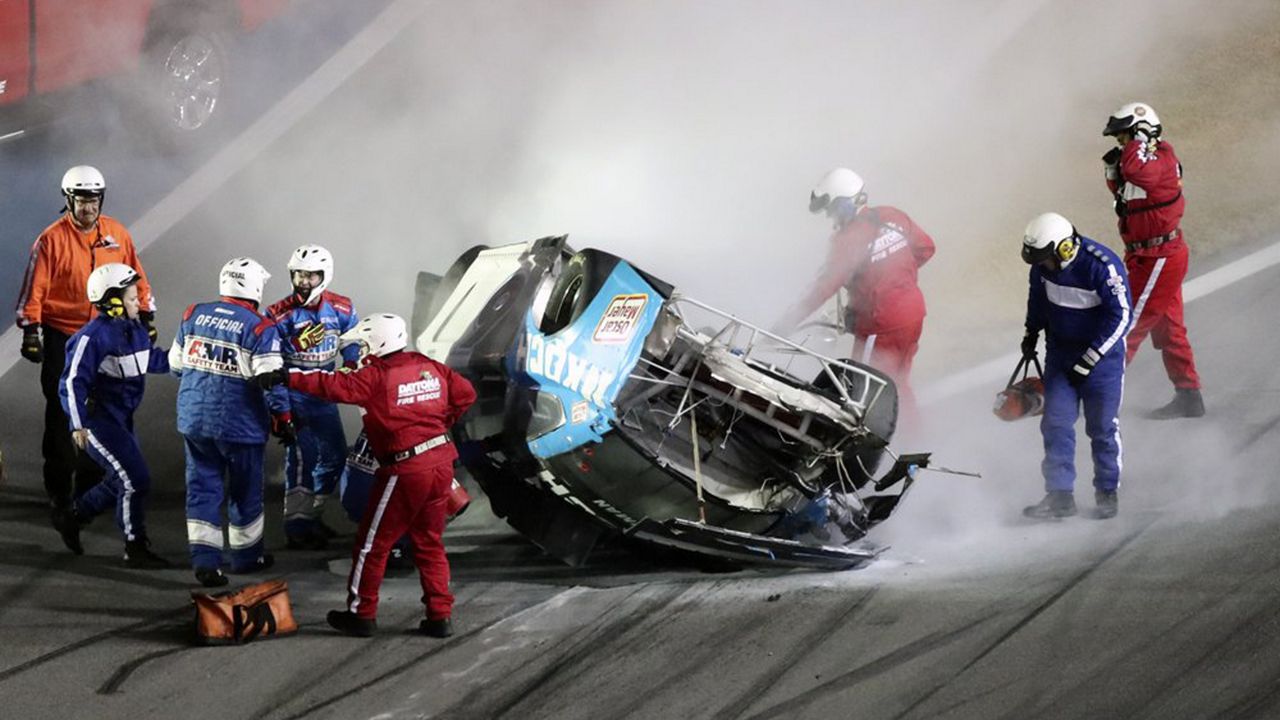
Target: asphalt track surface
(1166, 611)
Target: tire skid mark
(1027, 619)
(309, 678)
(1258, 433)
(842, 683)
(393, 672)
(805, 646)
(122, 673)
(625, 641)
(1249, 708)
(1246, 627)
(24, 585)
(91, 640)
(599, 635)
(313, 678)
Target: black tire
(577, 285)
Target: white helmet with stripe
(1132, 118)
(312, 258)
(83, 180)
(378, 335)
(243, 278)
(107, 284)
(1049, 235)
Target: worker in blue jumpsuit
(310, 320)
(101, 386)
(224, 418)
(1079, 297)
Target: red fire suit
(876, 257)
(1150, 204)
(408, 399)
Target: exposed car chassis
(610, 404)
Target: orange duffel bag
(234, 617)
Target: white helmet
(312, 258)
(378, 335)
(837, 184)
(106, 286)
(243, 278)
(1132, 117)
(1047, 236)
(85, 181)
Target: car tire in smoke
(580, 279)
(180, 94)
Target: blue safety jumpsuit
(224, 417)
(101, 387)
(1084, 310)
(313, 465)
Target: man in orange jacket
(53, 305)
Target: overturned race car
(611, 405)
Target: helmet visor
(1117, 125)
(818, 203)
(1033, 255)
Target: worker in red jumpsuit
(875, 253)
(1144, 175)
(410, 402)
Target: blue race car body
(611, 406)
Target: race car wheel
(190, 74)
(581, 278)
(181, 91)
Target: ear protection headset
(1068, 247)
(112, 306)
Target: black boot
(348, 623)
(138, 555)
(1185, 403)
(439, 628)
(264, 562)
(211, 577)
(68, 524)
(1056, 504)
(1106, 503)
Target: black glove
(1029, 342)
(1079, 372)
(31, 347)
(268, 380)
(148, 319)
(1113, 156)
(282, 427)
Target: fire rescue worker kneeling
(1079, 295)
(410, 402)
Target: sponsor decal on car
(620, 319)
(579, 412)
(552, 360)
